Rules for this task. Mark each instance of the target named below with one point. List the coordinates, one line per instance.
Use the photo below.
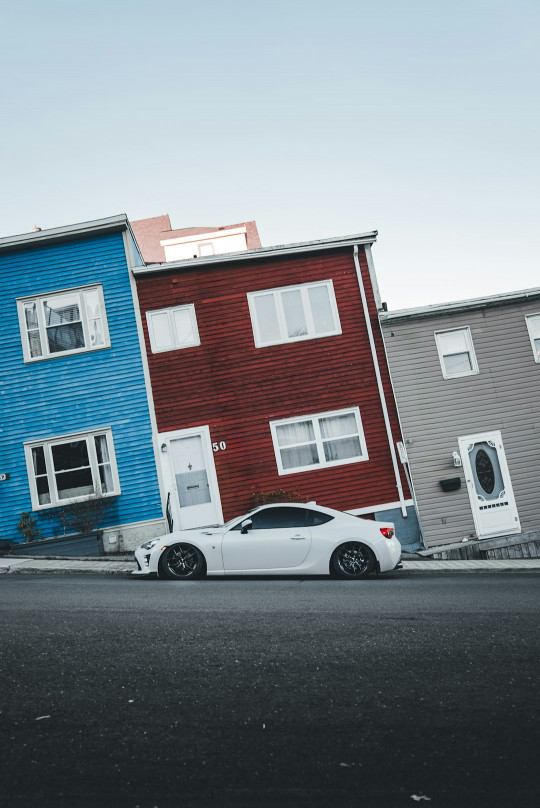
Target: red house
(268, 371)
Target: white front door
(489, 486)
(190, 475)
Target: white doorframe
(497, 516)
(164, 446)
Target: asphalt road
(310, 692)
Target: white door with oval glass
(488, 484)
(190, 477)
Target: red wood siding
(237, 389)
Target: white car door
(276, 539)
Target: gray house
(466, 377)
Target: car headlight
(149, 544)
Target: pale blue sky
(418, 118)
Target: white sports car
(285, 539)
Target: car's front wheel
(181, 562)
(352, 560)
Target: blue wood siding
(66, 394)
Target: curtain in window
(93, 315)
(161, 331)
(301, 432)
(267, 319)
(184, 327)
(40, 475)
(32, 329)
(294, 313)
(340, 448)
(104, 464)
(321, 309)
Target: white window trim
(528, 319)
(169, 311)
(323, 463)
(22, 301)
(474, 369)
(47, 444)
(304, 289)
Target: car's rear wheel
(181, 562)
(352, 560)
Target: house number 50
(217, 446)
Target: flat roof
(261, 252)
(109, 225)
(460, 305)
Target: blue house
(73, 388)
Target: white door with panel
(190, 476)
(488, 484)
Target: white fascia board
(111, 224)
(460, 305)
(262, 252)
(234, 231)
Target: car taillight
(388, 532)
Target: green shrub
(28, 527)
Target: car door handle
(298, 538)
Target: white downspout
(379, 383)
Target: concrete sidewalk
(107, 565)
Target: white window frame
(175, 346)
(42, 328)
(304, 290)
(323, 463)
(470, 348)
(47, 445)
(534, 333)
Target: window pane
(65, 338)
(34, 342)
(453, 342)
(161, 331)
(184, 327)
(61, 309)
(337, 425)
(93, 315)
(105, 471)
(342, 449)
(534, 325)
(321, 309)
(537, 347)
(300, 432)
(457, 363)
(267, 320)
(102, 449)
(30, 314)
(71, 455)
(74, 483)
(300, 456)
(40, 474)
(279, 517)
(294, 313)
(42, 485)
(38, 460)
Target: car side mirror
(246, 525)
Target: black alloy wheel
(352, 560)
(181, 562)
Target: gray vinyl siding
(435, 412)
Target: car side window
(315, 518)
(279, 517)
